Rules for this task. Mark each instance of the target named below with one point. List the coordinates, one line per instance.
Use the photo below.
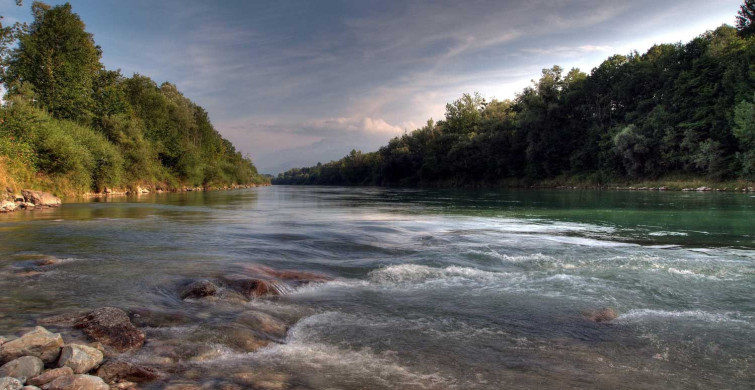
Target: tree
(59, 59)
(746, 18)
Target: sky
(291, 83)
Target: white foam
(665, 233)
(641, 315)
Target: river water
(433, 289)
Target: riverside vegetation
(70, 126)
(679, 115)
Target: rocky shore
(32, 199)
(27, 199)
(113, 348)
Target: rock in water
(253, 288)
(49, 375)
(199, 289)
(23, 367)
(117, 370)
(263, 322)
(39, 342)
(78, 382)
(80, 358)
(605, 314)
(39, 198)
(112, 327)
(9, 383)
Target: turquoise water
(433, 289)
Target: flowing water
(433, 289)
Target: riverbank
(13, 200)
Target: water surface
(434, 289)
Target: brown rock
(605, 314)
(39, 342)
(251, 287)
(39, 198)
(112, 327)
(299, 277)
(49, 375)
(78, 382)
(113, 371)
(80, 358)
(199, 289)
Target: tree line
(678, 110)
(71, 125)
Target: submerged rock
(23, 367)
(80, 358)
(199, 289)
(294, 276)
(39, 198)
(111, 326)
(251, 287)
(605, 314)
(263, 322)
(49, 375)
(39, 342)
(8, 383)
(78, 382)
(113, 371)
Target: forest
(71, 126)
(676, 111)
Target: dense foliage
(679, 110)
(71, 125)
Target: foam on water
(644, 315)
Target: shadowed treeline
(678, 110)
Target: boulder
(113, 371)
(8, 383)
(78, 382)
(263, 322)
(30, 388)
(23, 367)
(39, 198)
(39, 342)
(605, 314)
(112, 327)
(49, 375)
(199, 289)
(80, 358)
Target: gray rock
(49, 375)
(39, 342)
(78, 382)
(80, 358)
(8, 383)
(39, 198)
(112, 327)
(30, 388)
(23, 367)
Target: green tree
(59, 59)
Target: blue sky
(297, 82)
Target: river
(433, 289)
